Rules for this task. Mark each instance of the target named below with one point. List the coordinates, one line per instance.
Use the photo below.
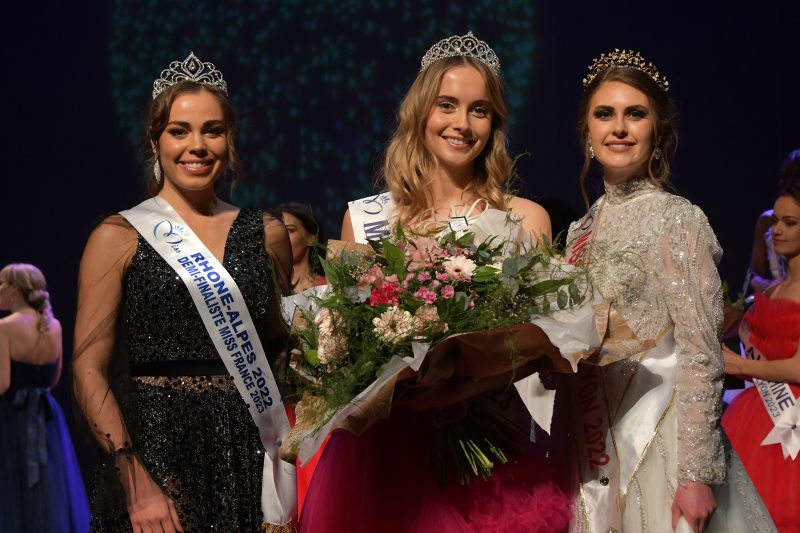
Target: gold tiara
(625, 58)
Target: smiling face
(460, 122)
(786, 227)
(193, 148)
(620, 125)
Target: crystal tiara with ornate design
(191, 69)
(461, 45)
(624, 58)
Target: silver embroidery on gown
(654, 255)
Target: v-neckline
(227, 238)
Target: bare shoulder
(525, 207)
(535, 218)
(347, 227)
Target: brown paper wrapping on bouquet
(336, 248)
(459, 368)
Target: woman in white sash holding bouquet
(763, 420)
(650, 450)
(182, 294)
(444, 169)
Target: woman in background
(306, 236)
(770, 333)
(41, 489)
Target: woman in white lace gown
(664, 464)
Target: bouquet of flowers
(431, 323)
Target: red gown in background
(774, 330)
(387, 480)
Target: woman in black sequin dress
(182, 452)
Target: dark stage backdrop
(317, 84)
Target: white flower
(394, 325)
(330, 345)
(460, 267)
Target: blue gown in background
(41, 489)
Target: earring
(589, 144)
(157, 171)
(657, 153)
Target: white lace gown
(654, 255)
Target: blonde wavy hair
(408, 162)
(30, 283)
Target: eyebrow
(627, 109)
(186, 125)
(454, 99)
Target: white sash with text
(779, 401)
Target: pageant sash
(230, 326)
(616, 419)
(370, 217)
(598, 502)
(779, 401)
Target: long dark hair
(305, 215)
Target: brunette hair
(665, 122)
(305, 215)
(408, 162)
(791, 189)
(790, 169)
(158, 118)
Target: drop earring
(589, 144)
(157, 171)
(657, 153)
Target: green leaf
(485, 273)
(312, 357)
(399, 233)
(574, 294)
(395, 259)
(465, 240)
(561, 300)
(546, 287)
(513, 265)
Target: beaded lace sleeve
(693, 294)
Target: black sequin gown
(190, 427)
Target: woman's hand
(150, 509)
(733, 362)
(695, 502)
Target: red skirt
(777, 479)
(387, 480)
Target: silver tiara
(461, 45)
(191, 69)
